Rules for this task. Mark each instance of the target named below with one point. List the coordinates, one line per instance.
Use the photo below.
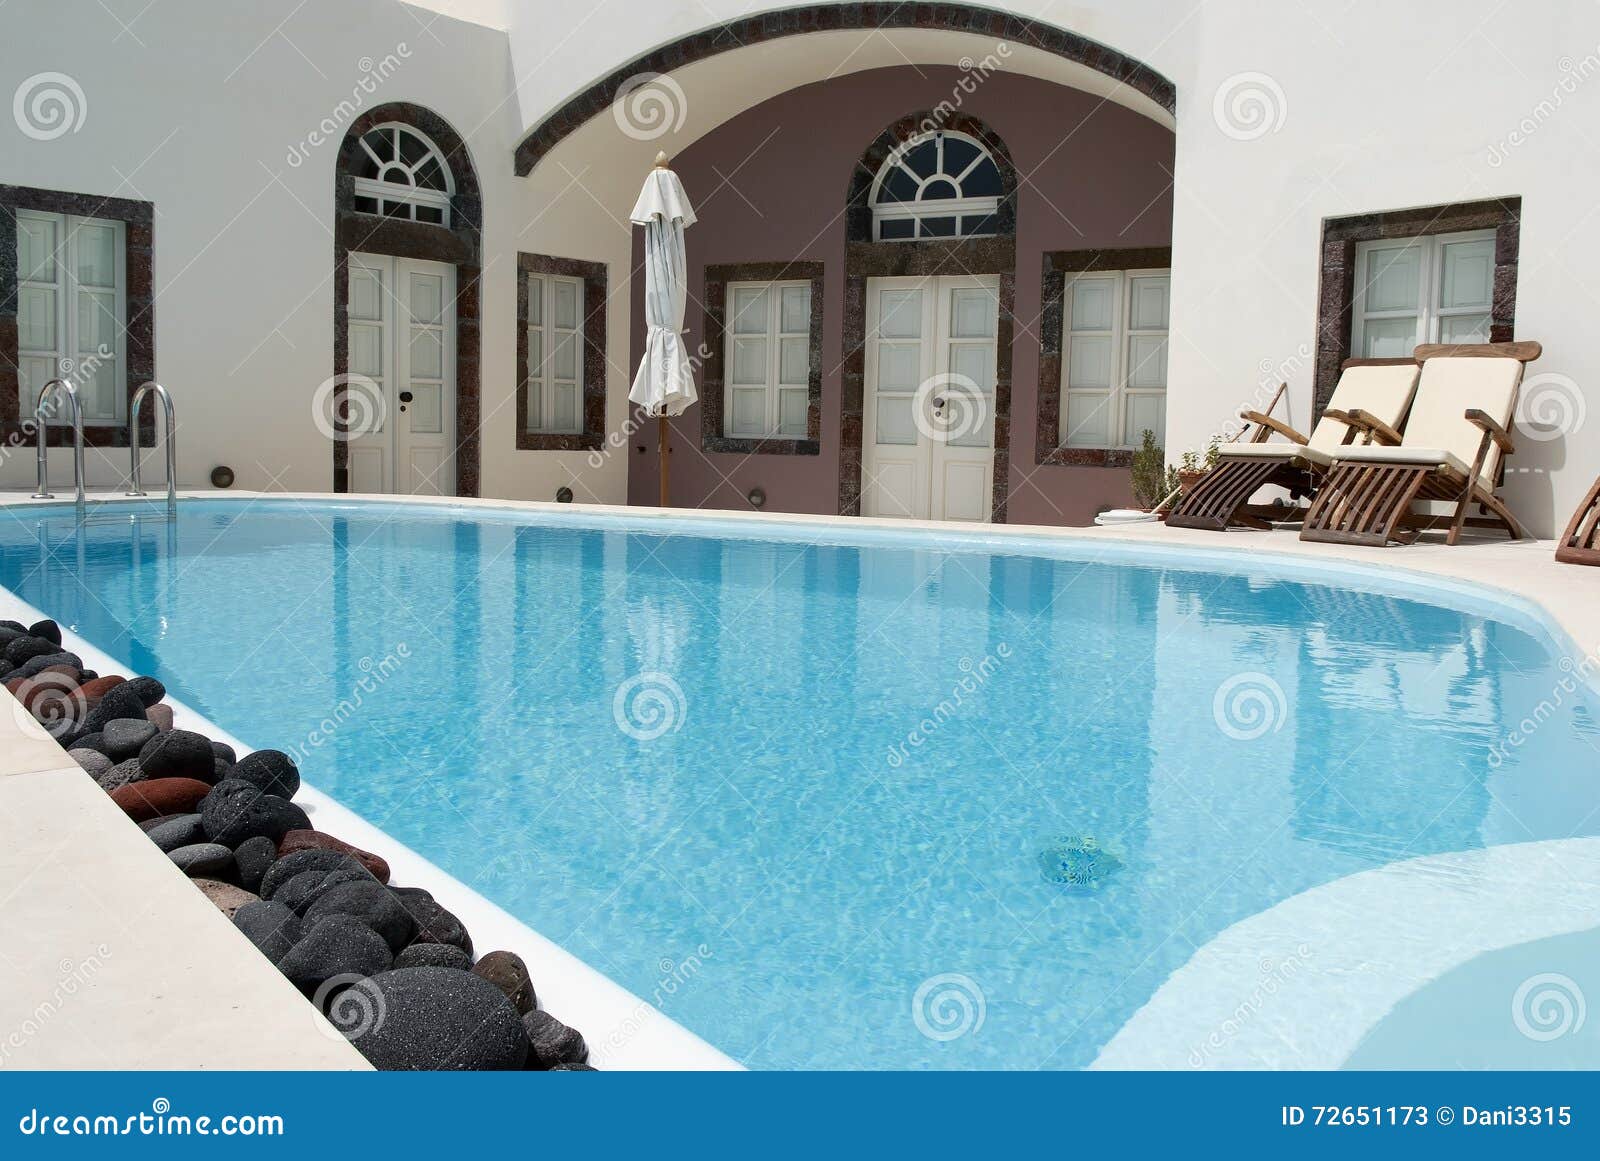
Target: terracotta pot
(1187, 480)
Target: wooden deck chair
(1581, 543)
(1378, 387)
(1453, 450)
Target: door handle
(405, 397)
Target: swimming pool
(898, 803)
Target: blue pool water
(835, 806)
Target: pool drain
(1077, 861)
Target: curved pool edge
(624, 1032)
(1301, 984)
(1518, 582)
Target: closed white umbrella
(664, 385)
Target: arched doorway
(404, 399)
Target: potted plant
(1150, 473)
(1192, 469)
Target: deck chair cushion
(1450, 386)
(1271, 451)
(1420, 456)
(1385, 392)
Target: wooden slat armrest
(1376, 429)
(1491, 425)
(1266, 422)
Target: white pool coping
(623, 1031)
(1519, 581)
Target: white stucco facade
(198, 108)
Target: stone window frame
(713, 399)
(593, 275)
(459, 244)
(1058, 266)
(1337, 269)
(138, 221)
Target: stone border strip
(624, 1032)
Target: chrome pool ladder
(40, 425)
(171, 445)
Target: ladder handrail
(171, 443)
(40, 424)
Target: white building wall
(1382, 106)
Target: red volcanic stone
(55, 683)
(315, 840)
(94, 690)
(158, 796)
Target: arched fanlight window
(942, 184)
(399, 173)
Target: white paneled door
(402, 410)
(928, 427)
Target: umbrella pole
(661, 441)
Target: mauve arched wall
(770, 185)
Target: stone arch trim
(768, 26)
(858, 211)
(460, 244)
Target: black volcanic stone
(299, 862)
(270, 770)
(444, 955)
(118, 702)
(434, 923)
(34, 666)
(25, 648)
(180, 830)
(550, 1042)
(224, 751)
(206, 860)
(335, 945)
(572, 1068)
(125, 737)
(272, 927)
(253, 858)
(147, 689)
(307, 887)
(177, 754)
(437, 1018)
(220, 771)
(235, 811)
(47, 629)
(372, 904)
(95, 741)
